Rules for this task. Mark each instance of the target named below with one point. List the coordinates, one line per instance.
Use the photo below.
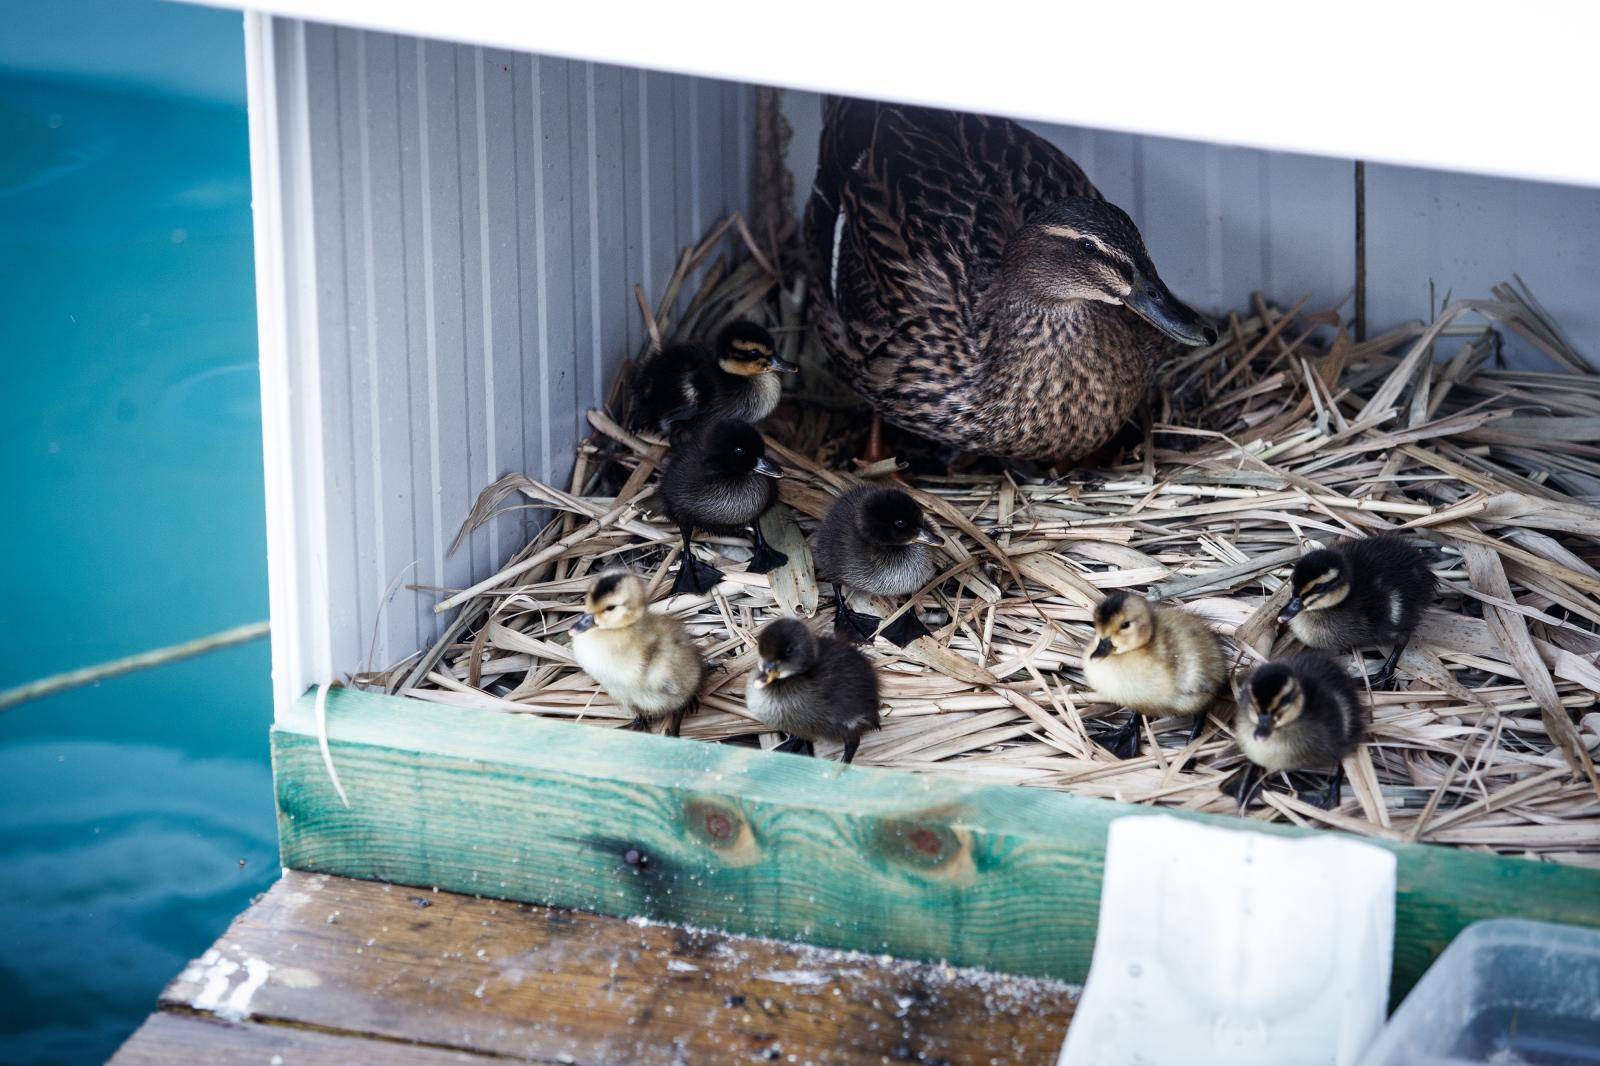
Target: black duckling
(876, 540)
(720, 480)
(974, 286)
(1299, 713)
(736, 378)
(647, 662)
(811, 688)
(1360, 593)
(1154, 661)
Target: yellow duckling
(647, 662)
(1154, 661)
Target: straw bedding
(1283, 434)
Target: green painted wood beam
(747, 841)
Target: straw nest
(1282, 435)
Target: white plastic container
(1235, 948)
(1505, 991)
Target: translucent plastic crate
(1505, 992)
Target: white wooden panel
(1246, 72)
(447, 243)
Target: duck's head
(1084, 249)
(1321, 580)
(732, 448)
(1277, 697)
(1123, 621)
(746, 349)
(615, 600)
(892, 517)
(786, 648)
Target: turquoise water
(135, 817)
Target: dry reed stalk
(1277, 437)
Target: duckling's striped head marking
(1278, 697)
(747, 349)
(1123, 622)
(892, 517)
(1321, 580)
(615, 600)
(785, 648)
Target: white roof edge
(1466, 86)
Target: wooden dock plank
(532, 983)
(775, 845)
(166, 1038)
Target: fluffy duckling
(647, 662)
(1154, 661)
(1358, 593)
(720, 480)
(812, 689)
(736, 377)
(1301, 714)
(876, 540)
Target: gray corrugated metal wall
(480, 220)
(1222, 223)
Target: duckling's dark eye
(738, 451)
(1125, 625)
(899, 523)
(1086, 245)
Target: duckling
(812, 688)
(736, 377)
(1153, 660)
(647, 662)
(1301, 714)
(720, 480)
(876, 540)
(1359, 593)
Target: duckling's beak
(780, 365)
(768, 467)
(584, 623)
(1290, 609)
(929, 535)
(766, 674)
(1102, 649)
(1263, 726)
(1152, 301)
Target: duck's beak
(766, 674)
(1290, 609)
(1152, 301)
(929, 535)
(584, 623)
(768, 467)
(1102, 649)
(781, 365)
(1263, 726)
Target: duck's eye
(899, 523)
(739, 452)
(1086, 245)
(1125, 625)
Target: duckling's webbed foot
(1385, 675)
(695, 578)
(1328, 800)
(675, 727)
(797, 746)
(1123, 742)
(905, 629)
(854, 626)
(766, 558)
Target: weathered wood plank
(995, 876)
(166, 1038)
(532, 983)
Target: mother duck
(973, 285)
